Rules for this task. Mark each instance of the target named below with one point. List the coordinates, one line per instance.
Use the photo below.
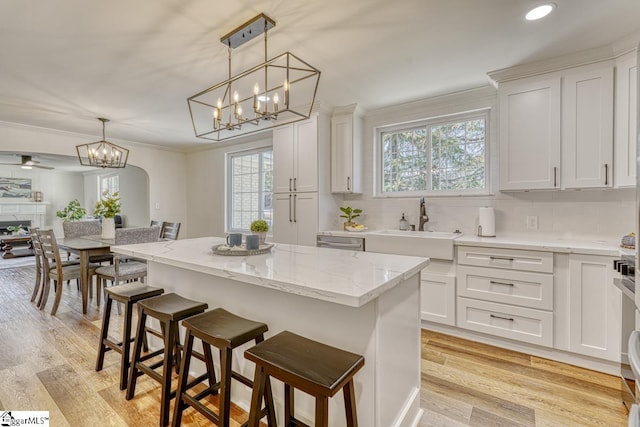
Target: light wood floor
(47, 363)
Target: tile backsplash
(602, 214)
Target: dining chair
(55, 270)
(170, 230)
(125, 268)
(85, 228)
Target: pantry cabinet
(295, 218)
(594, 307)
(295, 157)
(346, 150)
(556, 130)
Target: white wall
(134, 189)
(166, 169)
(206, 188)
(606, 214)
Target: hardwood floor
(47, 363)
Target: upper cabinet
(557, 128)
(346, 150)
(587, 128)
(626, 120)
(530, 134)
(295, 153)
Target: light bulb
(256, 89)
(235, 96)
(219, 103)
(539, 12)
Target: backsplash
(602, 214)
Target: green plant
(259, 226)
(109, 206)
(14, 228)
(350, 214)
(73, 211)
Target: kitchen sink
(432, 244)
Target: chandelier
(102, 154)
(279, 91)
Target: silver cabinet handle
(493, 316)
(495, 282)
(295, 185)
(290, 208)
(501, 257)
(348, 183)
(555, 176)
(295, 202)
(606, 174)
(289, 184)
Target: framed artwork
(15, 188)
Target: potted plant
(260, 227)
(73, 211)
(107, 208)
(349, 214)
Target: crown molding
(559, 63)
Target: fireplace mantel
(23, 210)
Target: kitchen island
(361, 302)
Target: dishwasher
(340, 242)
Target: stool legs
(137, 350)
(350, 404)
(182, 381)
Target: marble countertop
(344, 277)
(587, 246)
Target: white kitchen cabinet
(346, 150)
(295, 156)
(438, 293)
(556, 130)
(626, 120)
(295, 218)
(594, 307)
(587, 128)
(506, 293)
(530, 134)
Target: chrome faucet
(423, 214)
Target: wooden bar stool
(225, 331)
(314, 368)
(127, 294)
(169, 309)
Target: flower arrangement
(73, 211)
(109, 206)
(259, 226)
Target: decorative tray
(350, 228)
(225, 250)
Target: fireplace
(5, 224)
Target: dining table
(85, 247)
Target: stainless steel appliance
(341, 242)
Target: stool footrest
(152, 355)
(195, 404)
(244, 380)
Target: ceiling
(66, 62)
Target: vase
(263, 237)
(346, 224)
(108, 228)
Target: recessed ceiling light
(539, 12)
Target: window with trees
(250, 188)
(110, 183)
(440, 156)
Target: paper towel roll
(487, 222)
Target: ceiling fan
(28, 163)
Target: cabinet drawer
(534, 290)
(507, 321)
(510, 259)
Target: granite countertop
(344, 277)
(605, 247)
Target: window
(250, 188)
(109, 183)
(439, 156)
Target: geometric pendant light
(102, 154)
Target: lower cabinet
(438, 293)
(594, 307)
(507, 321)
